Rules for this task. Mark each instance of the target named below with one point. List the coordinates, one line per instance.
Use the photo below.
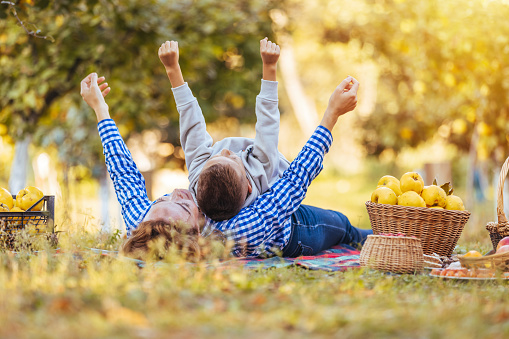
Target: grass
(81, 295)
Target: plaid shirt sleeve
(263, 226)
(128, 182)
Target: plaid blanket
(338, 258)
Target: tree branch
(29, 32)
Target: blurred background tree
(431, 73)
(40, 77)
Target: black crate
(43, 221)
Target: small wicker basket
(498, 261)
(439, 230)
(392, 254)
(500, 229)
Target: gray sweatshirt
(263, 163)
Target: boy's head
(223, 186)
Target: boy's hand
(93, 93)
(342, 100)
(169, 54)
(269, 52)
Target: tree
(443, 71)
(39, 79)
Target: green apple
(434, 195)
(411, 181)
(411, 198)
(453, 202)
(391, 182)
(384, 195)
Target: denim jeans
(315, 229)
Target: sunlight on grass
(79, 294)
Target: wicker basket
(439, 230)
(500, 229)
(392, 254)
(498, 261)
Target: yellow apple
(391, 182)
(453, 202)
(3, 207)
(411, 198)
(384, 195)
(437, 207)
(29, 196)
(6, 198)
(434, 195)
(17, 209)
(411, 181)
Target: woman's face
(178, 206)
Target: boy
(230, 174)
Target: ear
(249, 187)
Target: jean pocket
(306, 250)
(301, 250)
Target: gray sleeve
(265, 147)
(195, 140)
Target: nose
(226, 152)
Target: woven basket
(392, 254)
(500, 229)
(439, 230)
(498, 261)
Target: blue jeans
(315, 229)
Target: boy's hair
(220, 194)
(152, 240)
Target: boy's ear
(249, 187)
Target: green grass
(91, 296)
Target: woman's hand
(93, 92)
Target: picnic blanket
(338, 258)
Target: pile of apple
(24, 200)
(469, 273)
(503, 245)
(410, 191)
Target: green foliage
(40, 79)
(443, 69)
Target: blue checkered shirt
(128, 182)
(263, 228)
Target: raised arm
(195, 140)
(128, 182)
(265, 147)
(255, 224)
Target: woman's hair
(154, 239)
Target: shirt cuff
(321, 140)
(108, 130)
(268, 90)
(183, 95)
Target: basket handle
(500, 198)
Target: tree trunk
(104, 198)
(303, 107)
(17, 180)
